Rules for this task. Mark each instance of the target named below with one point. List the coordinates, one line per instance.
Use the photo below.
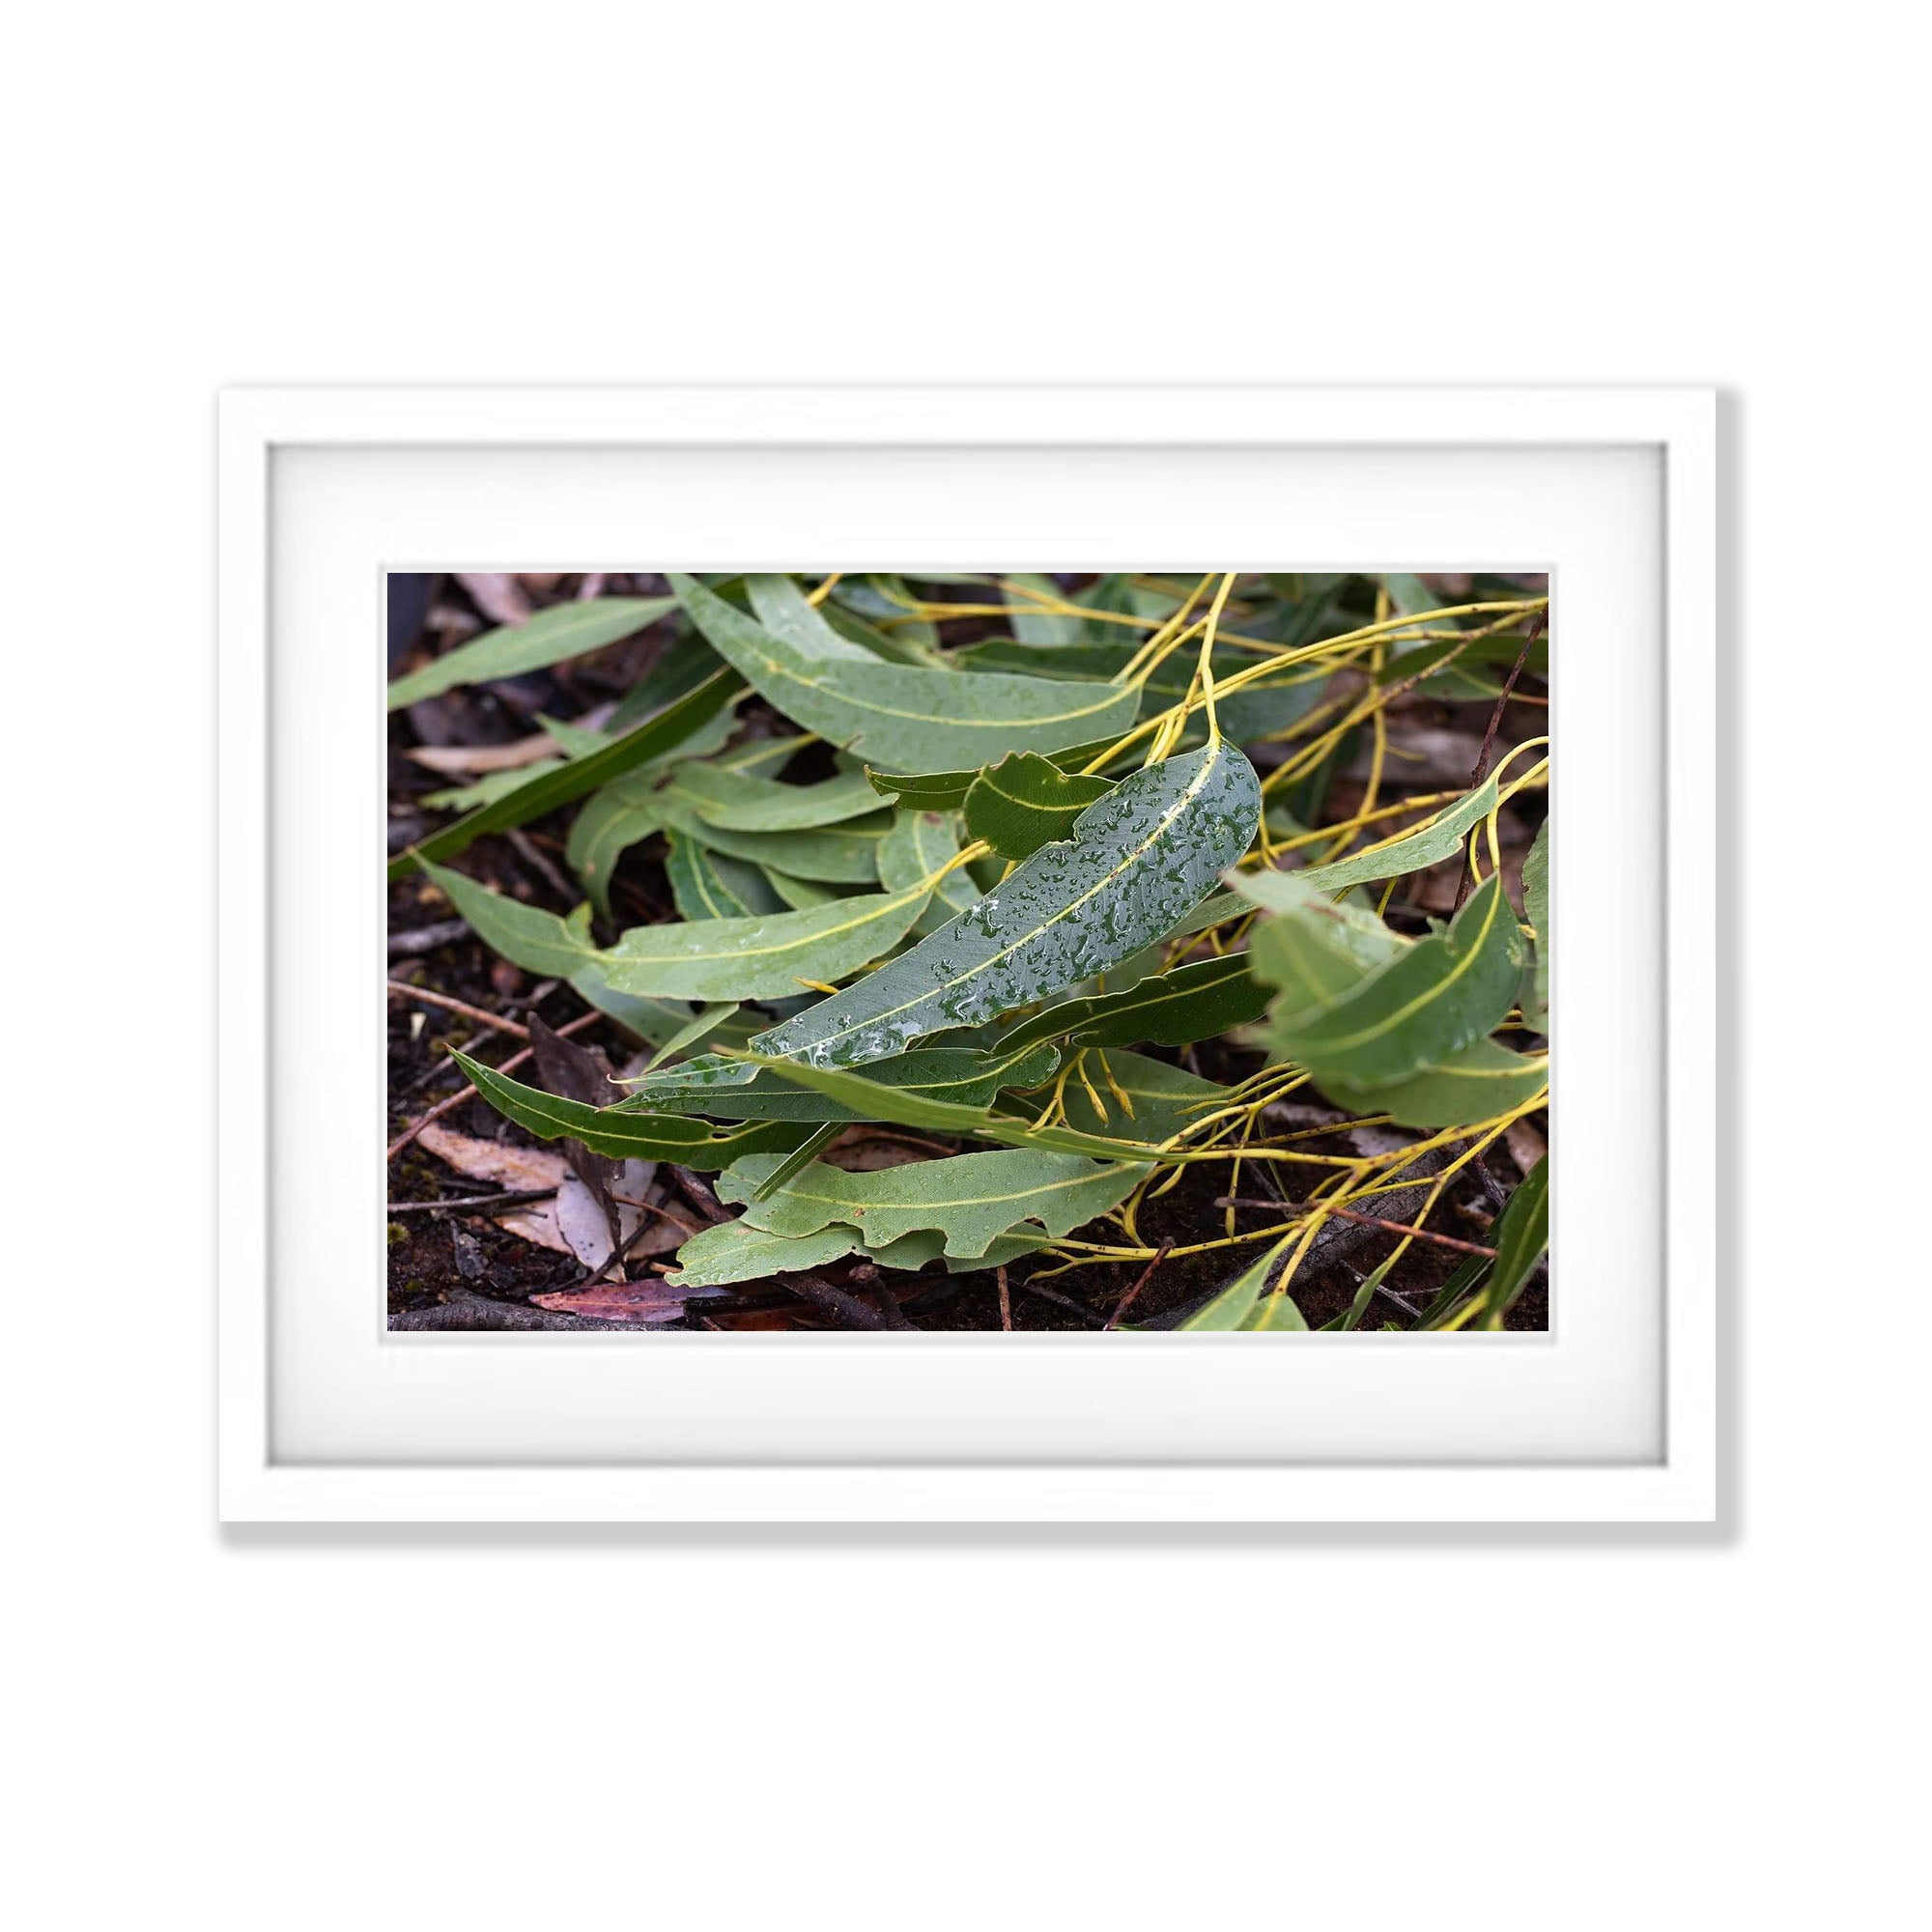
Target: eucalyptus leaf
(800, 894)
(525, 935)
(577, 778)
(726, 798)
(1429, 846)
(764, 957)
(1032, 625)
(917, 846)
(905, 715)
(1520, 1237)
(1175, 1009)
(1536, 905)
(945, 792)
(785, 611)
(707, 885)
(1236, 1305)
(875, 1100)
(1413, 1012)
(563, 631)
(845, 854)
(1476, 1084)
(734, 1089)
(971, 1198)
(1026, 802)
(692, 1143)
(1138, 861)
(735, 1251)
(1128, 1096)
(667, 1025)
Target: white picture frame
(320, 488)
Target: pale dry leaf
(580, 1216)
(462, 762)
(649, 1300)
(497, 594)
(522, 1169)
(537, 1224)
(1526, 1147)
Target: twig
(427, 938)
(533, 855)
(1146, 1275)
(1086, 1315)
(1006, 1300)
(1481, 767)
(471, 1201)
(695, 1190)
(481, 1015)
(1374, 1221)
(834, 1300)
(468, 1089)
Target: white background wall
(609, 1729)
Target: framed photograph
(960, 955)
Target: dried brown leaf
(510, 1167)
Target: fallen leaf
(497, 594)
(462, 762)
(580, 1214)
(511, 1168)
(537, 1224)
(1526, 1147)
(619, 1301)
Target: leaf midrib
(1208, 766)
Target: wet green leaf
(945, 792)
(919, 843)
(904, 715)
(971, 1198)
(563, 631)
(1138, 861)
(678, 1137)
(1421, 1006)
(1441, 839)
(771, 956)
(1173, 1008)
(1026, 802)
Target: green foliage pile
(1034, 853)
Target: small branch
(1370, 1221)
(1146, 1275)
(855, 1313)
(1006, 1300)
(427, 938)
(467, 1091)
(1482, 766)
(481, 1015)
(514, 1200)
